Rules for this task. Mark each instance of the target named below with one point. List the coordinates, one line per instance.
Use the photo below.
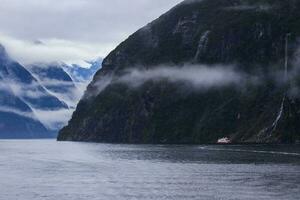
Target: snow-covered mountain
(36, 100)
(67, 82)
(23, 101)
(57, 81)
(83, 74)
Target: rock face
(247, 35)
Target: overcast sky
(72, 30)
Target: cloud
(53, 119)
(17, 112)
(87, 20)
(4, 86)
(198, 77)
(72, 30)
(23, 90)
(99, 86)
(53, 82)
(51, 50)
(70, 93)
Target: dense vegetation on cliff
(158, 85)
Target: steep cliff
(204, 70)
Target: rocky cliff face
(204, 70)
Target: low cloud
(51, 50)
(198, 77)
(53, 119)
(7, 109)
(99, 86)
(71, 95)
(26, 90)
(53, 82)
(21, 90)
(66, 91)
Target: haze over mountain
(36, 100)
(67, 82)
(204, 70)
(22, 98)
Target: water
(49, 170)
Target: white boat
(224, 140)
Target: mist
(200, 77)
(195, 77)
(51, 119)
(50, 50)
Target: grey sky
(72, 29)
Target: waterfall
(286, 62)
(275, 123)
(202, 45)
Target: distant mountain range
(36, 100)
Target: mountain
(82, 74)
(57, 81)
(206, 69)
(21, 97)
(17, 119)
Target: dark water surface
(50, 170)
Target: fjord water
(50, 170)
